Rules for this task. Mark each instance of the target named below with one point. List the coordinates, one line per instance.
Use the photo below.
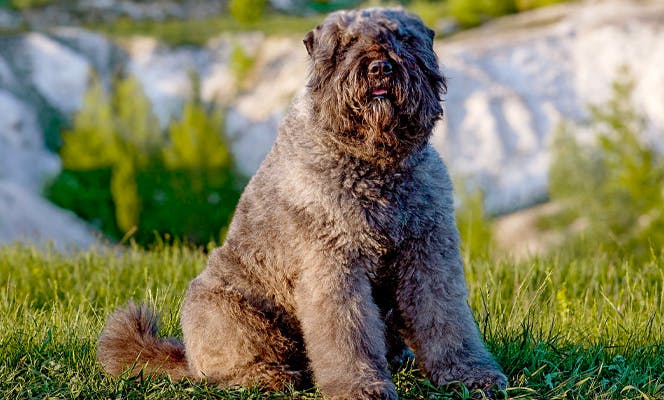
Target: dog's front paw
(486, 378)
(381, 390)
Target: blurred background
(133, 121)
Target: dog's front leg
(439, 324)
(343, 332)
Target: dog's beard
(379, 117)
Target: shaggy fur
(343, 252)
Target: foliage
(122, 173)
(26, 4)
(469, 13)
(247, 11)
(614, 186)
(199, 31)
(326, 6)
(523, 5)
(562, 327)
(475, 228)
(431, 12)
(241, 63)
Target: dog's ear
(309, 43)
(430, 32)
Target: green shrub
(326, 6)
(523, 5)
(241, 64)
(474, 225)
(86, 192)
(27, 4)
(470, 13)
(127, 177)
(430, 11)
(247, 11)
(614, 186)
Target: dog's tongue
(379, 92)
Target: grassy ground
(199, 31)
(561, 328)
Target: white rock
(24, 216)
(60, 74)
(250, 140)
(23, 158)
(253, 121)
(9, 19)
(7, 77)
(103, 56)
(510, 86)
(164, 75)
(281, 66)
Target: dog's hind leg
(230, 341)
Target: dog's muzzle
(379, 71)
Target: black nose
(377, 67)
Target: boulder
(56, 71)
(25, 165)
(105, 57)
(164, 74)
(512, 82)
(27, 217)
(23, 158)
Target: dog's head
(375, 80)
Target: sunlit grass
(562, 328)
(199, 31)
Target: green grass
(199, 31)
(561, 328)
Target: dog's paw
(405, 357)
(381, 390)
(489, 379)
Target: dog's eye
(350, 41)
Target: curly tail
(130, 340)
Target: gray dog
(343, 253)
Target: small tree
(123, 174)
(615, 185)
(247, 11)
(475, 229)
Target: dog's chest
(381, 204)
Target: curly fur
(343, 251)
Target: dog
(343, 253)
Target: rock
(280, 72)
(512, 82)
(56, 71)
(27, 217)
(253, 121)
(163, 74)
(9, 20)
(25, 165)
(104, 57)
(250, 140)
(23, 158)
(219, 82)
(7, 77)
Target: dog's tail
(129, 341)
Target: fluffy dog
(343, 251)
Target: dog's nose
(377, 67)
